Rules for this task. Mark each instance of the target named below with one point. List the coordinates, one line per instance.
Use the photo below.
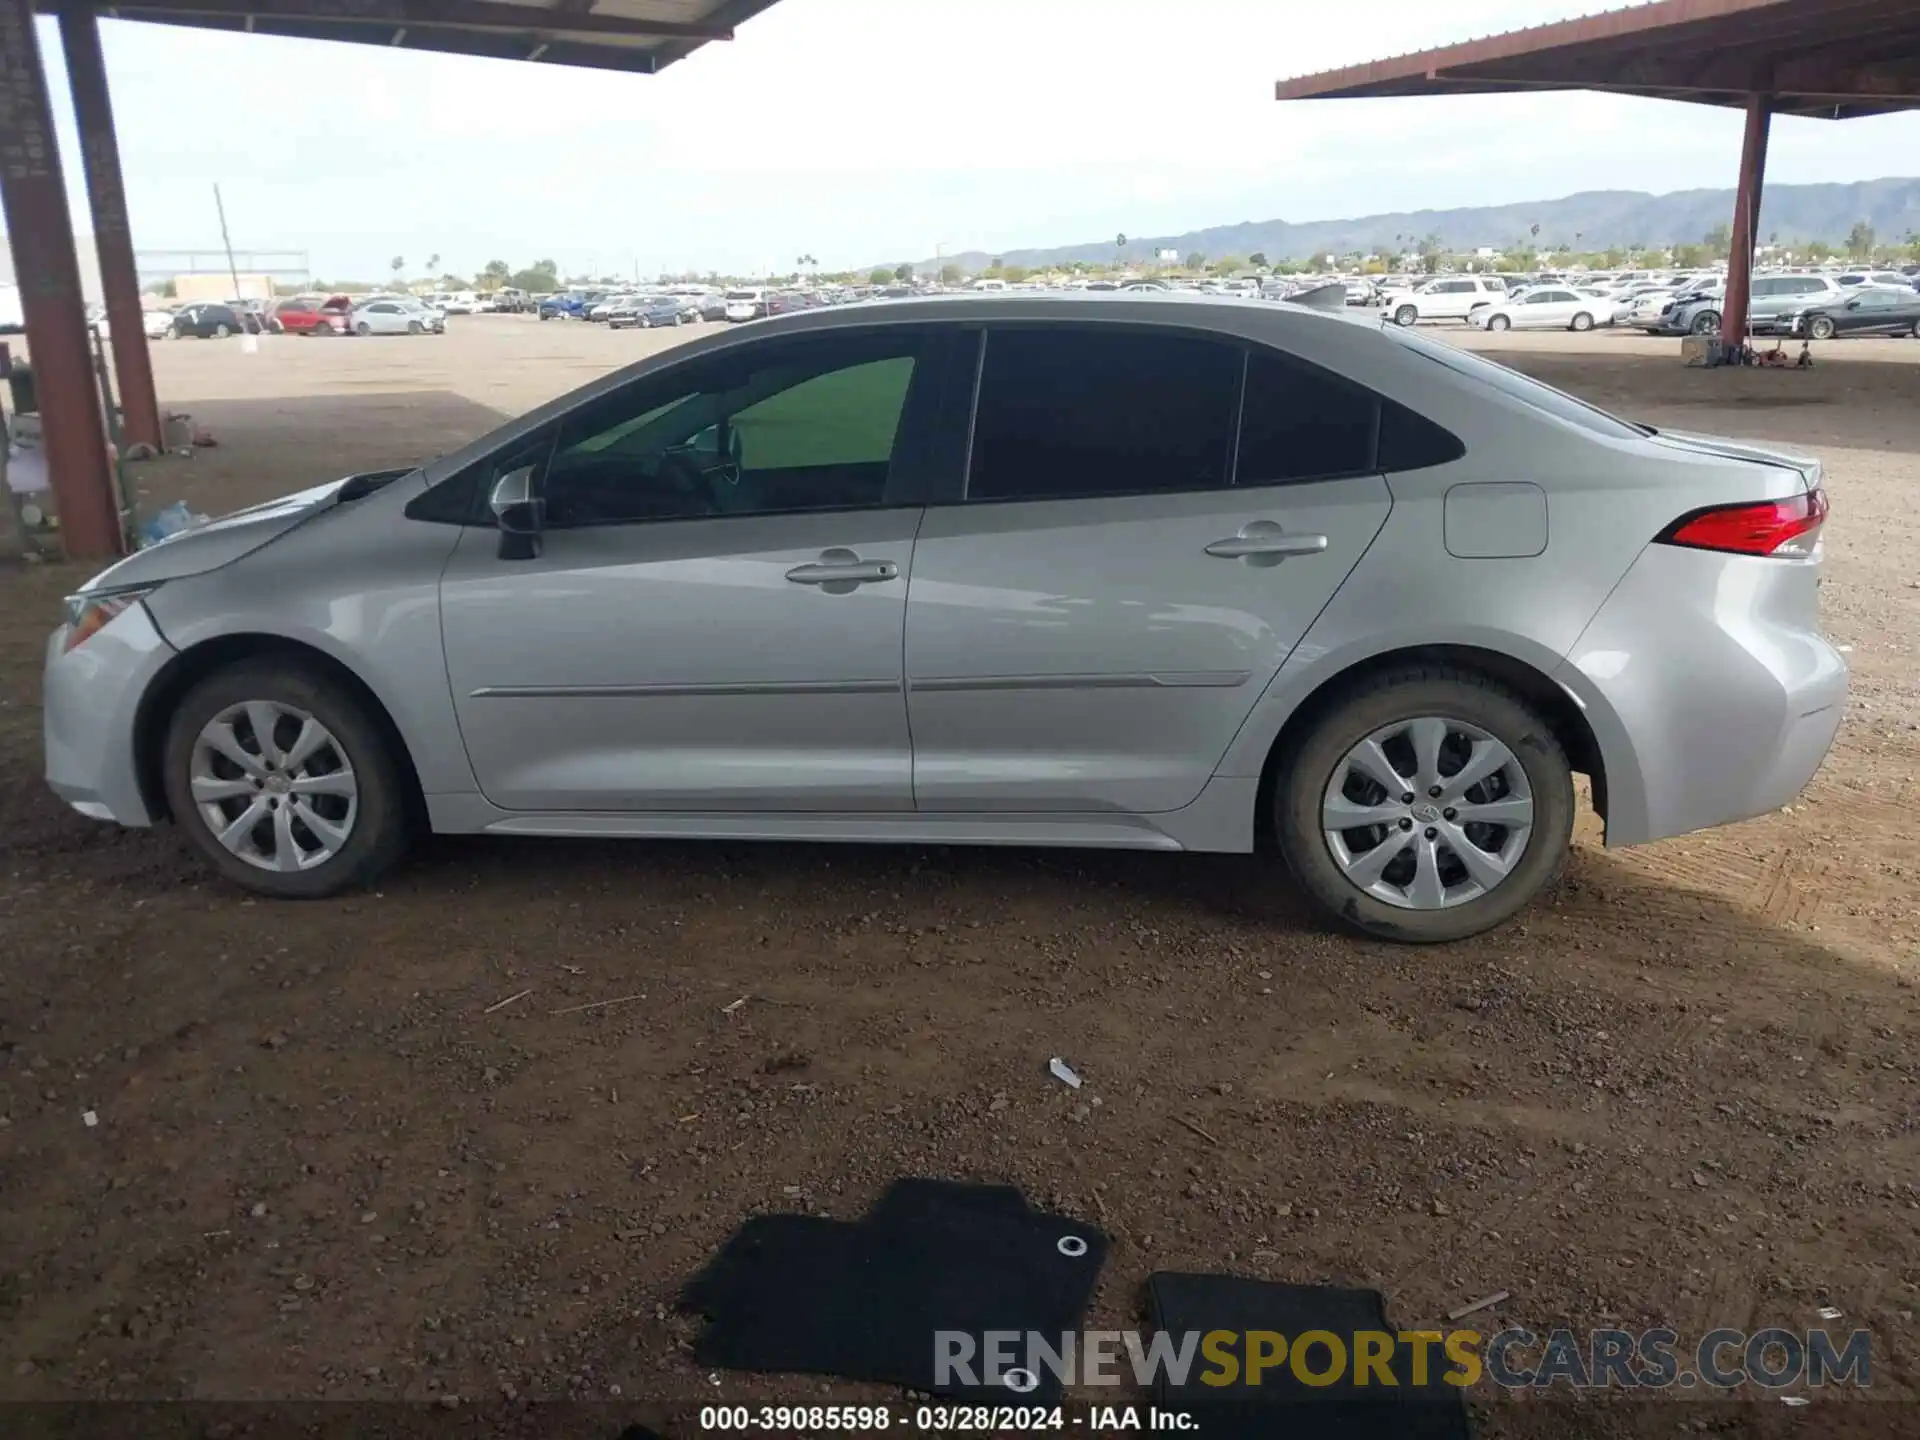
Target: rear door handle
(1263, 540)
(840, 567)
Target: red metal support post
(1746, 221)
(112, 238)
(40, 229)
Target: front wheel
(284, 782)
(1706, 322)
(363, 328)
(414, 327)
(1405, 315)
(1430, 804)
(1499, 322)
(221, 332)
(1821, 327)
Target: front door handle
(840, 570)
(1264, 543)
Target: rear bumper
(1712, 697)
(91, 698)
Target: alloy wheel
(273, 785)
(1427, 813)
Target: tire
(1499, 322)
(375, 820)
(1460, 697)
(363, 328)
(1821, 327)
(1583, 321)
(1405, 315)
(414, 327)
(1705, 323)
(221, 332)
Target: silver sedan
(1144, 571)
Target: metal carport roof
(1832, 59)
(640, 36)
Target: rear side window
(1096, 411)
(1300, 423)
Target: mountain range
(1591, 220)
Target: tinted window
(1412, 442)
(1064, 412)
(1300, 423)
(802, 425)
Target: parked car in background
(157, 324)
(1873, 277)
(1772, 296)
(1664, 319)
(213, 320)
(396, 315)
(1545, 307)
(1864, 310)
(648, 311)
(510, 301)
(572, 305)
(307, 316)
(748, 304)
(457, 302)
(295, 684)
(1450, 297)
(712, 306)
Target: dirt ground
(331, 1163)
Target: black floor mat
(1281, 1404)
(790, 1293)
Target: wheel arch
(195, 663)
(1560, 710)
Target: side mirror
(518, 512)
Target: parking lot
(330, 1161)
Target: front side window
(807, 424)
(1071, 412)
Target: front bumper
(91, 698)
(1711, 695)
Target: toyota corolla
(1136, 571)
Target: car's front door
(715, 616)
(1090, 625)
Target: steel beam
(40, 228)
(112, 237)
(1746, 220)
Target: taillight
(1789, 528)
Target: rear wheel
(281, 778)
(1583, 321)
(1821, 327)
(1429, 805)
(1405, 315)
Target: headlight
(90, 612)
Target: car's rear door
(715, 616)
(1090, 622)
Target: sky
(860, 131)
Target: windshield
(1520, 387)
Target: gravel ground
(329, 1163)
